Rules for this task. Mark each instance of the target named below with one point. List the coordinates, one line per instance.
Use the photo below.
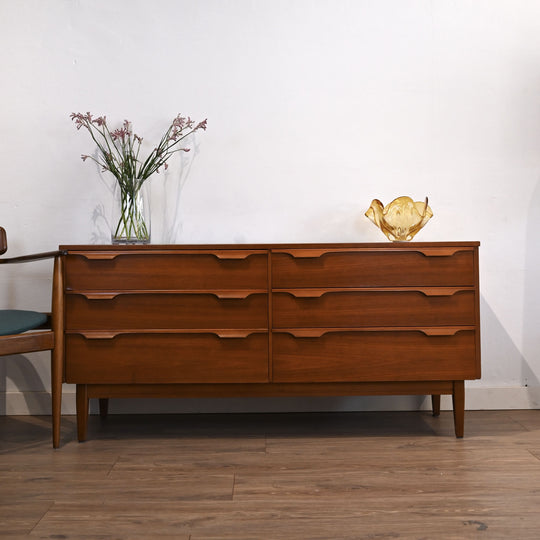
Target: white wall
(314, 107)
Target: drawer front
(166, 358)
(372, 269)
(166, 311)
(374, 356)
(186, 271)
(327, 308)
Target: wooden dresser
(271, 320)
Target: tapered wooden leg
(436, 404)
(82, 411)
(103, 407)
(458, 400)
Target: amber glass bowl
(401, 219)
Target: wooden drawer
(215, 270)
(373, 268)
(349, 308)
(153, 358)
(400, 355)
(225, 309)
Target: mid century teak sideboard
(271, 320)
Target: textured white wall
(314, 107)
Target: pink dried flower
(119, 149)
(179, 122)
(79, 119)
(119, 134)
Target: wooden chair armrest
(32, 257)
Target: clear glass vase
(131, 213)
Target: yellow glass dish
(401, 219)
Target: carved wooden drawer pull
(222, 334)
(316, 253)
(318, 293)
(234, 255)
(222, 295)
(319, 332)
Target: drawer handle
(232, 334)
(306, 253)
(316, 253)
(99, 335)
(222, 334)
(222, 255)
(222, 295)
(100, 296)
(319, 332)
(307, 293)
(233, 295)
(443, 331)
(318, 293)
(440, 252)
(307, 332)
(442, 291)
(233, 255)
(97, 256)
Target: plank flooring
(295, 476)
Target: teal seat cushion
(15, 321)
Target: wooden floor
(274, 476)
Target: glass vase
(131, 213)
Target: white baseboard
(39, 403)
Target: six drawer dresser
(271, 320)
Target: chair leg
(56, 390)
(57, 354)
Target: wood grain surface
(274, 314)
(273, 476)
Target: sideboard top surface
(358, 245)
